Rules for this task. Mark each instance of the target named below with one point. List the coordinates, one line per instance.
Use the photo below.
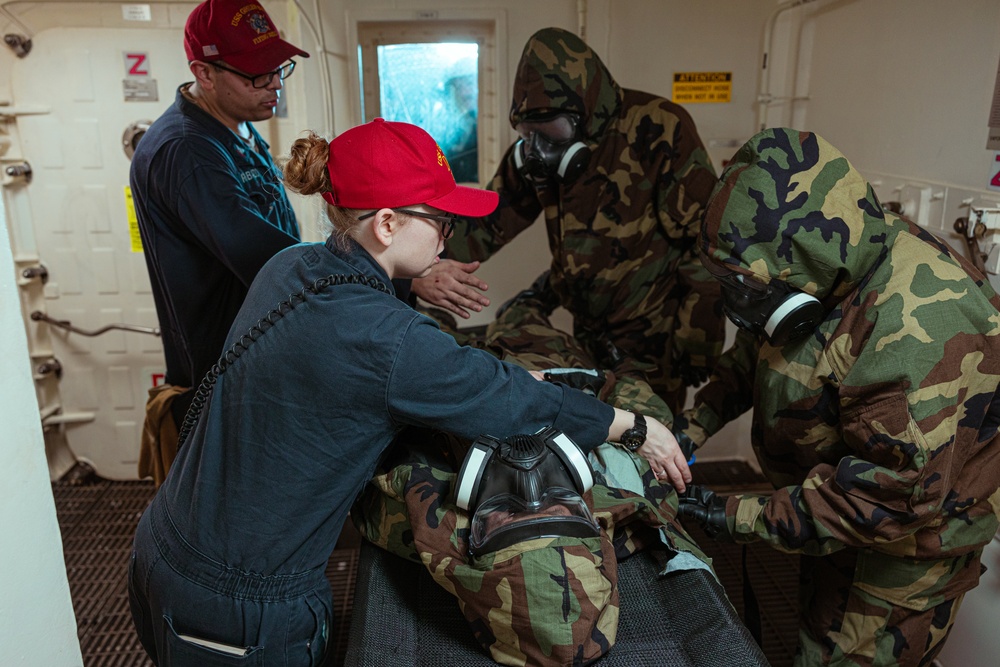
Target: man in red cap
(210, 202)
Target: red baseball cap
(383, 164)
(239, 32)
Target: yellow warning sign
(698, 87)
(133, 222)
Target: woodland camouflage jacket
(623, 234)
(879, 430)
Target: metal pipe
(13, 19)
(69, 418)
(39, 316)
(764, 97)
(324, 73)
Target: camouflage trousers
(524, 335)
(844, 626)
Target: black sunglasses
(447, 220)
(261, 80)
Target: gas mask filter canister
(776, 310)
(525, 487)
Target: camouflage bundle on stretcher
(546, 601)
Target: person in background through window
(622, 178)
(209, 201)
(325, 367)
(460, 142)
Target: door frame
(495, 135)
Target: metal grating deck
(774, 576)
(98, 519)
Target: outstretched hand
(453, 286)
(665, 457)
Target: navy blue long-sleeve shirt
(211, 212)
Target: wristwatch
(635, 437)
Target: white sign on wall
(138, 85)
(136, 13)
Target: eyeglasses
(261, 80)
(447, 221)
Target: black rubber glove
(709, 510)
(686, 444)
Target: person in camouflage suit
(622, 234)
(878, 428)
(546, 601)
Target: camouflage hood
(559, 71)
(790, 206)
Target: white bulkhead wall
(902, 87)
(37, 624)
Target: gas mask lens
(549, 149)
(558, 129)
(508, 519)
(746, 304)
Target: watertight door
(79, 89)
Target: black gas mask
(549, 149)
(525, 487)
(776, 311)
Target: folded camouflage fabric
(547, 601)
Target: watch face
(635, 437)
(632, 441)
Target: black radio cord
(230, 356)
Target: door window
(430, 74)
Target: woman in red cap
(324, 368)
